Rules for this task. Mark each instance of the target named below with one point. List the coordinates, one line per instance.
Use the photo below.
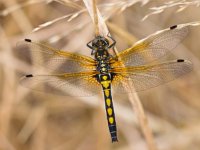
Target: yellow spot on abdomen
(110, 111)
(108, 102)
(107, 93)
(105, 77)
(105, 84)
(103, 69)
(111, 120)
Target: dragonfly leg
(112, 45)
(114, 42)
(88, 45)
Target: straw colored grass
(31, 120)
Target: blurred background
(32, 120)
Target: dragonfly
(131, 70)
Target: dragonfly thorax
(102, 57)
(102, 54)
(103, 66)
(100, 47)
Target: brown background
(40, 121)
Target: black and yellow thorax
(102, 57)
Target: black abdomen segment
(105, 81)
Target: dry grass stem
(103, 30)
(7, 99)
(33, 120)
(96, 22)
(181, 4)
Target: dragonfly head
(100, 43)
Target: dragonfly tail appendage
(106, 85)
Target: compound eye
(94, 42)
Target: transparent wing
(54, 59)
(154, 46)
(132, 79)
(69, 84)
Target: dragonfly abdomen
(105, 81)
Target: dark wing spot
(173, 27)
(29, 75)
(27, 40)
(180, 60)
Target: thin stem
(96, 21)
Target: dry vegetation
(40, 121)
